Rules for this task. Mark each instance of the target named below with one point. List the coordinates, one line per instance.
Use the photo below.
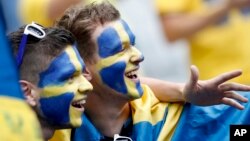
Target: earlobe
(27, 89)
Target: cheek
(113, 76)
(56, 108)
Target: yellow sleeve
(35, 10)
(172, 6)
(17, 121)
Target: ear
(87, 74)
(28, 91)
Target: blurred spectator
(44, 12)
(9, 9)
(217, 30)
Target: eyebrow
(56, 74)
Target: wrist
(182, 93)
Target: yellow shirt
(18, 121)
(35, 10)
(218, 48)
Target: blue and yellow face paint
(116, 50)
(63, 83)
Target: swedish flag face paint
(119, 60)
(63, 89)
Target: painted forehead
(62, 68)
(113, 39)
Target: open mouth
(133, 75)
(79, 104)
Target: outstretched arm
(164, 90)
(204, 93)
(182, 25)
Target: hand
(214, 91)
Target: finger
(234, 87)
(235, 96)
(226, 76)
(193, 76)
(232, 103)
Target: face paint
(63, 87)
(116, 50)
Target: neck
(107, 111)
(47, 129)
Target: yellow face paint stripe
(122, 33)
(131, 87)
(73, 58)
(57, 90)
(75, 116)
(124, 37)
(108, 61)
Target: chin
(76, 123)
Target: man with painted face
(119, 103)
(51, 72)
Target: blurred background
(172, 34)
(163, 60)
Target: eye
(125, 47)
(71, 79)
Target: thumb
(193, 76)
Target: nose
(136, 56)
(84, 85)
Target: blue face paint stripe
(139, 88)
(114, 78)
(129, 32)
(109, 43)
(59, 112)
(56, 74)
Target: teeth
(82, 102)
(79, 104)
(132, 74)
